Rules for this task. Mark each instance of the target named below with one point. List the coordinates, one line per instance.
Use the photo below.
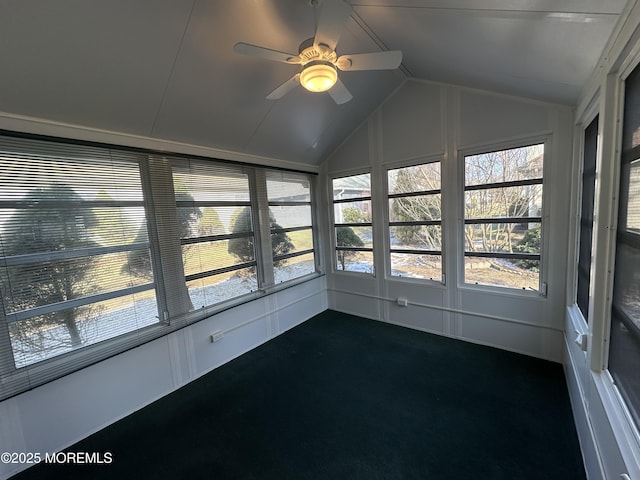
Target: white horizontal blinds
(352, 222)
(215, 226)
(291, 225)
(415, 221)
(102, 250)
(161, 205)
(75, 264)
(503, 217)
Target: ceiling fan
(318, 57)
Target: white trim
(623, 426)
(507, 144)
(590, 111)
(451, 310)
(619, 40)
(424, 160)
(577, 169)
(589, 445)
(413, 161)
(630, 62)
(452, 243)
(332, 243)
(516, 142)
(605, 221)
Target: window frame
(251, 203)
(311, 227)
(586, 270)
(334, 247)
(17, 379)
(441, 223)
(155, 178)
(525, 142)
(620, 237)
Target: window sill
(417, 281)
(503, 291)
(624, 429)
(206, 312)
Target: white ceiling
(166, 68)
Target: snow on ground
(142, 312)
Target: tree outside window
(503, 217)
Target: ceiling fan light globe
(318, 76)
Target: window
(352, 221)
(503, 217)
(624, 349)
(75, 258)
(586, 216)
(415, 221)
(102, 250)
(290, 219)
(215, 224)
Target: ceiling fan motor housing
(310, 52)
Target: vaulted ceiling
(166, 69)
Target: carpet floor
(341, 397)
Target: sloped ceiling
(166, 69)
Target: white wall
(58, 414)
(423, 120)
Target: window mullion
(262, 228)
(7, 363)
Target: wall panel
(353, 154)
(421, 131)
(56, 415)
(489, 118)
(424, 119)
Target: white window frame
(333, 243)
(160, 209)
(313, 250)
(578, 322)
(388, 250)
(496, 147)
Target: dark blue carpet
(340, 397)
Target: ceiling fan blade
(339, 93)
(389, 60)
(334, 15)
(266, 53)
(285, 88)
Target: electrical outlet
(402, 302)
(216, 336)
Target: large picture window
(75, 260)
(415, 221)
(352, 221)
(503, 217)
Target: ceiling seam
(173, 67)
(259, 125)
(377, 40)
(483, 10)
